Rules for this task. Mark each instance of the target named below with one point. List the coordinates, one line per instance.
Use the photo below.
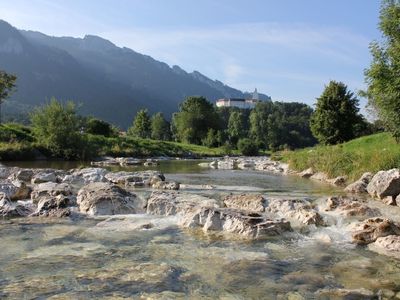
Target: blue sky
(288, 49)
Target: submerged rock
(346, 294)
(369, 230)
(350, 207)
(385, 184)
(388, 245)
(51, 189)
(248, 224)
(251, 202)
(101, 198)
(360, 186)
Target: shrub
(247, 147)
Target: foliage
(236, 127)
(277, 125)
(57, 128)
(99, 127)
(160, 128)
(336, 115)
(366, 154)
(141, 127)
(13, 132)
(214, 138)
(195, 117)
(382, 76)
(247, 146)
(7, 85)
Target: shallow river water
(75, 259)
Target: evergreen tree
(7, 85)
(160, 128)
(382, 76)
(336, 115)
(141, 125)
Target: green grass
(366, 154)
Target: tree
(236, 127)
(100, 127)
(160, 128)
(336, 115)
(7, 85)
(247, 147)
(58, 129)
(382, 77)
(141, 125)
(195, 117)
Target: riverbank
(352, 159)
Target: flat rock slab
(388, 245)
(251, 202)
(350, 207)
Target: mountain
(107, 81)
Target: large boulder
(299, 211)
(247, 224)
(44, 176)
(360, 186)
(10, 209)
(388, 245)
(350, 207)
(15, 190)
(251, 202)
(385, 184)
(172, 203)
(51, 189)
(371, 229)
(102, 198)
(307, 173)
(22, 174)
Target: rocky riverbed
(218, 234)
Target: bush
(13, 132)
(247, 147)
(100, 127)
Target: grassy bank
(18, 143)
(370, 153)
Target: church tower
(255, 95)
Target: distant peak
(98, 42)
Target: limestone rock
(100, 198)
(338, 181)
(171, 203)
(248, 224)
(307, 173)
(360, 186)
(350, 207)
(15, 190)
(298, 210)
(140, 178)
(91, 174)
(10, 209)
(166, 185)
(50, 189)
(251, 202)
(369, 230)
(319, 176)
(45, 176)
(56, 206)
(388, 245)
(22, 175)
(384, 184)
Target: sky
(288, 49)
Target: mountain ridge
(110, 82)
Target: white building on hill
(239, 102)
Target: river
(75, 259)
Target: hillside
(366, 154)
(109, 82)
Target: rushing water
(75, 259)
